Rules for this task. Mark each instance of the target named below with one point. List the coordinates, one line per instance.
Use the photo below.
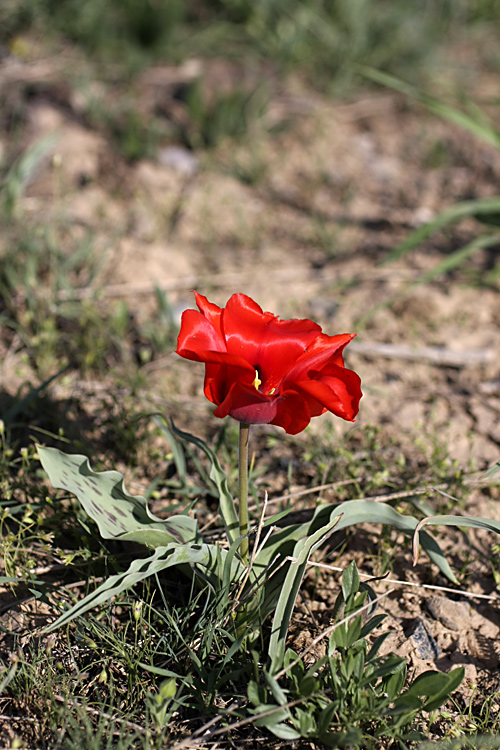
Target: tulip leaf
(352, 513)
(210, 559)
(227, 509)
(492, 471)
(473, 521)
(118, 514)
(355, 512)
(459, 521)
(286, 602)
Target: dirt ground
(304, 234)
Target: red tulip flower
(263, 370)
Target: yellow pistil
(271, 391)
(257, 381)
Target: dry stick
(180, 284)
(203, 729)
(255, 550)
(236, 725)
(311, 490)
(73, 585)
(267, 573)
(259, 578)
(489, 597)
(236, 278)
(472, 480)
(20, 719)
(260, 526)
(435, 355)
(372, 498)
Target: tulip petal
(293, 413)
(246, 404)
(198, 335)
(219, 378)
(263, 370)
(271, 345)
(324, 350)
(212, 312)
(339, 392)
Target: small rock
(180, 159)
(396, 643)
(424, 644)
(482, 649)
(470, 677)
(489, 630)
(455, 615)
(446, 640)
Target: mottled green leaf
(209, 558)
(118, 514)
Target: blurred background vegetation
(322, 38)
(319, 45)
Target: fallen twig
(435, 355)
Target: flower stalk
(243, 488)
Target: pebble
(179, 159)
(482, 649)
(425, 645)
(454, 615)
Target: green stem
(243, 470)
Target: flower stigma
(257, 382)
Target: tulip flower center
(258, 382)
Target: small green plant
(351, 696)
(161, 704)
(324, 41)
(20, 173)
(133, 30)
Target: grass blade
(286, 602)
(477, 123)
(453, 260)
(476, 208)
